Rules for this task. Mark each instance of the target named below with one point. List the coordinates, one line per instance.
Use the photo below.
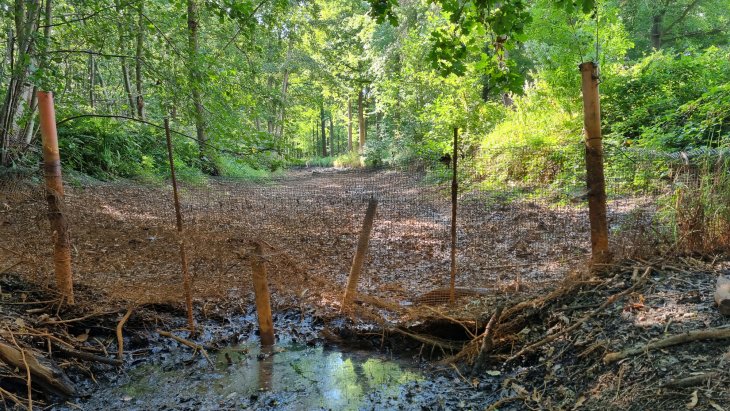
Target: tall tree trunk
(323, 125)
(656, 31)
(332, 136)
(27, 14)
(92, 78)
(127, 86)
(284, 90)
(361, 121)
(195, 79)
(123, 61)
(138, 58)
(349, 125)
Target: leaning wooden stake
(54, 196)
(595, 179)
(454, 198)
(263, 300)
(181, 237)
(360, 253)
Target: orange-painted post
(178, 216)
(54, 197)
(595, 180)
(263, 299)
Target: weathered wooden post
(181, 237)
(360, 253)
(54, 197)
(454, 200)
(261, 293)
(595, 179)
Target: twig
(495, 406)
(431, 341)
(194, 346)
(88, 356)
(578, 323)
(10, 267)
(718, 333)
(73, 320)
(691, 381)
(27, 370)
(120, 337)
(12, 397)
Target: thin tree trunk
(128, 87)
(332, 136)
(361, 121)
(138, 58)
(26, 23)
(92, 77)
(349, 125)
(323, 125)
(195, 75)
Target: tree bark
(362, 126)
(323, 126)
(332, 136)
(349, 125)
(193, 50)
(27, 15)
(138, 58)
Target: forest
(365, 204)
(253, 87)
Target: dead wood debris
(690, 336)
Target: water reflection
(313, 377)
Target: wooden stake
(181, 237)
(54, 197)
(454, 196)
(360, 253)
(263, 300)
(595, 179)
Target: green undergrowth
(349, 160)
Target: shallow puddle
(291, 377)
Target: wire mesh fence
(522, 224)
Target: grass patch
(349, 160)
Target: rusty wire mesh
(518, 229)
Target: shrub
(349, 160)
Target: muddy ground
(516, 253)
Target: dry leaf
(693, 401)
(83, 337)
(716, 406)
(494, 373)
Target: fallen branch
(88, 356)
(73, 320)
(49, 377)
(196, 347)
(487, 342)
(431, 341)
(120, 337)
(691, 381)
(697, 335)
(610, 300)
